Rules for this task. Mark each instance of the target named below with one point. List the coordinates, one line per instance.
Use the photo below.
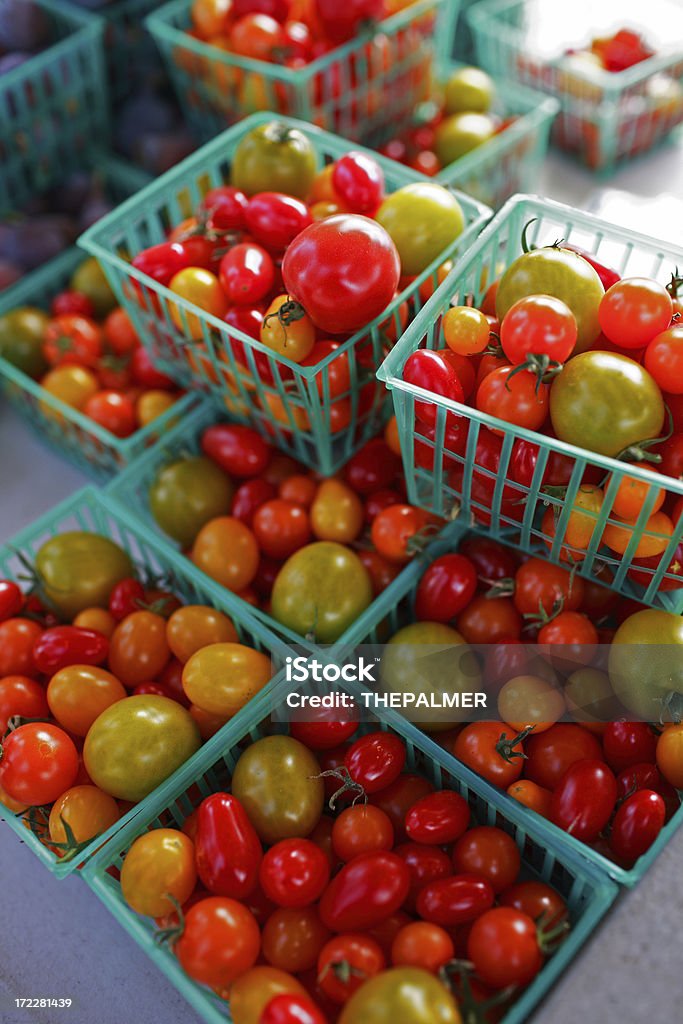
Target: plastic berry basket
(511, 161)
(67, 431)
(130, 492)
(87, 510)
(355, 90)
(606, 117)
(513, 511)
(588, 893)
(393, 610)
(287, 403)
(53, 108)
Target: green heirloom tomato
(423, 219)
(605, 402)
(468, 90)
(402, 995)
(21, 339)
(90, 279)
(432, 659)
(559, 272)
(646, 664)
(275, 781)
(460, 134)
(274, 158)
(321, 590)
(133, 746)
(79, 570)
(187, 494)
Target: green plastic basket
(53, 108)
(86, 510)
(512, 511)
(287, 403)
(132, 55)
(355, 90)
(463, 44)
(130, 494)
(588, 893)
(605, 117)
(393, 610)
(511, 161)
(67, 431)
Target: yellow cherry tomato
(86, 810)
(159, 864)
(337, 512)
(392, 437)
(292, 338)
(466, 330)
(203, 289)
(226, 550)
(78, 694)
(98, 619)
(195, 626)
(670, 755)
(153, 404)
(221, 678)
(527, 701)
(73, 385)
(654, 540)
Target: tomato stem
(169, 936)
(539, 364)
(348, 785)
(549, 936)
(506, 747)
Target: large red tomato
(343, 270)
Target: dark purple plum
(9, 274)
(23, 26)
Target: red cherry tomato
(346, 962)
(358, 180)
(432, 372)
(538, 325)
(291, 1009)
(438, 818)
(246, 274)
(375, 760)
(249, 497)
(553, 752)
(39, 762)
(294, 873)
(228, 850)
(22, 696)
(514, 398)
(503, 946)
(373, 468)
(446, 588)
(128, 596)
(628, 743)
(426, 864)
(238, 450)
(397, 798)
(367, 890)
(11, 599)
(455, 900)
(635, 310)
(224, 207)
(113, 411)
(637, 824)
(61, 646)
(146, 374)
(664, 359)
(490, 853)
(584, 799)
(361, 828)
(275, 219)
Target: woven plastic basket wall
(87, 511)
(536, 518)
(588, 893)
(606, 117)
(132, 55)
(294, 406)
(355, 90)
(53, 108)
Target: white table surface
(56, 939)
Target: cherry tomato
(346, 962)
(39, 762)
(227, 551)
(219, 943)
(516, 397)
(79, 693)
(489, 620)
(421, 944)
(146, 374)
(362, 828)
(72, 339)
(289, 1009)
(249, 496)
(246, 274)
(628, 743)
(438, 818)
(358, 180)
(633, 311)
(541, 586)
(72, 302)
(200, 288)
(552, 753)
(432, 372)
(664, 359)
(538, 325)
(376, 760)
(195, 626)
(344, 271)
(368, 889)
(17, 640)
(60, 646)
(584, 799)
(397, 798)
(455, 900)
(275, 219)
(287, 331)
(503, 946)
(670, 755)
(536, 899)
(396, 531)
(281, 528)
(466, 330)
(293, 937)
(159, 864)
(237, 449)
(228, 851)
(256, 36)
(490, 853)
(407, 994)
(446, 588)
(222, 677)
(87, 812)
(636, 825)
(11, 599)
(253, 990)
(530, 795)
(23, 697)
(138, 648)
(488, 748)
(294, 873)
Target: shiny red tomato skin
(11, 599)
(439, 818)
(503, 946)
(343, 270)
(61, 646)
(584, 799)
(397, 799)
(627, 743)
(39, 762)
(553, 752)
(275, 219)
(227, 849)
(291, 1009)
(636, 825)
(455, 900)
(368, 889)
(446, 588)
(325, 729)
(236, 449)
(376, 760)
(294, 873)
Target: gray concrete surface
(56, 939)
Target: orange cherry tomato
(98, 619)
(78, 694)
(139, 649)
(195, 626)
(86, 810)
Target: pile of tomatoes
(563, 664)
(107, 685)
(456, 123)
(299, 260)
(301, 907)
(86, 353)
(562, 346)
(311, 552)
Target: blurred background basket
(354, 90)
(507, 508)
(588, 893)
(289, 404)
(131, 53)
(511, 161)
(87, 510)
(606, 117)
(53, 108)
